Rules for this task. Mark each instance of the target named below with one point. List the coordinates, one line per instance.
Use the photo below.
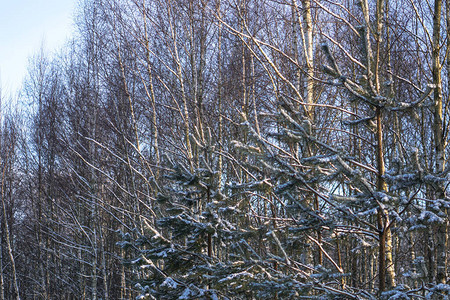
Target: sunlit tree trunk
(373, 62)
(441, 228)
(309, 54)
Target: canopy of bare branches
(232, 149)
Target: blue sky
(26, 25)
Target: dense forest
(232, 149)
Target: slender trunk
(49, 287)
(151, 94)
(441, 228)
(295, 48)
(209, 236)
(42, 267)
(244, 64)
(103, 262)
(381, 255)
(386, 265)
(308, 48)
(123, 283)
(7, 235)
(319, 233)
(414, 270)
(95, 249)
(372, 268)
(386, 262)
(219, 96)
(255, 108)
(199, 73)
(2, 282)
(82, 272)
(390, 266)
(307, 43)
(338, 250)
(94, 180)
(274, 226)
(94, 269)
(354, 267)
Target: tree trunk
(440, 228)
(2, 282)
(7, 232)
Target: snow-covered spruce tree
(366, 203)
(285, 183)
(174, 253)
(400, 193)
(203, 244)
(194, 247)
(354, 199)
